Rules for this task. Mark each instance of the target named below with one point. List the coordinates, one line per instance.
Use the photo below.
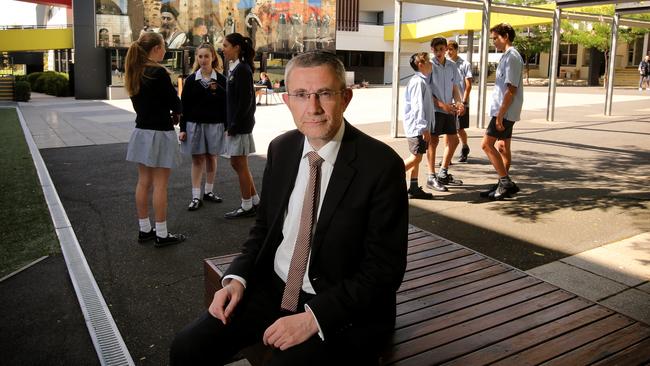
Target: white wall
(410, 12)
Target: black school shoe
(144, 237)
(449, 180)
(418, 193)
(211, 197)
(464, 152)
(171, 239)
(504, 191)
(195, 203)
(486, 193)
(240, 212)
(434, 183)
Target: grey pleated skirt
(240, 145)
(204, 138)
(155, 149)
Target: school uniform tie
(298, 264)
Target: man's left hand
(460, 107)
(290, 330)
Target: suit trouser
(207, 341)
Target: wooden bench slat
(428, 253)
(533, 337)
(459, 280)
(442, 292)
(412, 249)
(567, 342)
(604, 347)
(514, 303)
(637, 354)
(524, 288)
(486, 337)
(470, 262)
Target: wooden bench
(458, 307)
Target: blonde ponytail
(137, 58)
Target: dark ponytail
(246, 50)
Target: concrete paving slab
(578, 281)
(631, 302)
(112, 118)
(611, 264)
(644, 287)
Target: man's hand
(290, 330)
(225, 301)
(426, 136)
(182, 136)
(449, 108)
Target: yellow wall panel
(35, 39)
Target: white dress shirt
(283, 254)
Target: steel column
(397, 41)
(612, 65)
(555, 50)
(482, 89)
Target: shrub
(22, 91)
(49, 82)
(31, 78)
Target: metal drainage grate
(107, 339)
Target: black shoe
(418, 193)
(258, 103)
(504, 191)
(486, 194)
(145, 237)
(194, 204)
(464, 152)
(434, 183)
(211, 197)
(240, 212)
(449, 180)
(171, 239)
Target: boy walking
(447, 103)
(465, 86)
(505, 109)
(418, 112)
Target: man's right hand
(225, 301)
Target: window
(462, 44)
(568, 54)
(533, 60)
(586, 57)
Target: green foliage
(22, 91)
(49, 82)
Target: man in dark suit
(344, 308)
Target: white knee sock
(256, 200)
(145, 225)
(247, 204)
(208, 188)
(161, 229)
(196, 192)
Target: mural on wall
(284, 26)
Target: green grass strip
(25, 225)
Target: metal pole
(612, 65)
(485, 35)
(552, 77)
(470, 46)
(397, 37)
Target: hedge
(22, 91)
(49, 82)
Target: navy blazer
(240, 99)
(359, 246)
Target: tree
(531, 41)
(598, 34)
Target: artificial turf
(26, 229)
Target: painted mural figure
(252, 22)
(311, 33)
(283, 33)
(296, 33)
(169, 28)
(229, 24)
(325, 31)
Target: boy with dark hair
(418, 114)
(447, 103)
(505, 109)
(465, 85)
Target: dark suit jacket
(359, 246)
